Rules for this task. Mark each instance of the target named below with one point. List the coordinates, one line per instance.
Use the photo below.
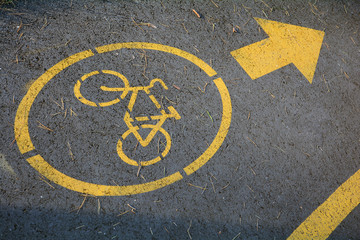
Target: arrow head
(286, 44)
(303, 44)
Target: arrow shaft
(262, 57)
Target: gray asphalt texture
(290, 145)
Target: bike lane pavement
(249, 155)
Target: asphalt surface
(290, 144)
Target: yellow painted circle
(25, 144)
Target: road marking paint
(324, 220)
(110, 103)
(286, 44)
(159, 47)
(89, 75)
(155, 128)
(21, 128)
(139, 119)
(61, 179)
(156, 103)
(223, 130)
(148, 162)
(80, 97)
(25, 144)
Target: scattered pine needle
(72, 112)
(60, 106)
(137, 24)
(170, 100)
(204, 88)
(185, 28)
(237, 235)
(252, 141)
(204, 189)
(70, 152)
(139, 168)
(114, 225)
(178, 88)
(327, 85)
(246, 8)
(252, 171)
(353, 40)
(188, 230)
(264, 13)
(132, 208)
(54, 114)
(42, 179)
(196, 13)
(19, 27)
(192, 185)
(250, 188)
(210, 116)
(148, 25)
(98, 208)
(272, 95)
(122, 214)
(307, 154)
(81, 205)
(44, 127)
(226, 185)
(196, 49)
(280, 149)
(214, 3)
(212, 175)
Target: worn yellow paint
(148, 162)
(323, 221)
(135, 90)
(109, 103)
(80, 97)
(286, 44)
(85, 76)
(156, 103)
(21, 128)
(123, 78)
(223, 130)
(25, 144)
(156, 127)
(61, 179)
(159, 47)
(85, 101)
(144, 118)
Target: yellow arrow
(286, 44)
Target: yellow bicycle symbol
(155, 128)
(25, 144)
